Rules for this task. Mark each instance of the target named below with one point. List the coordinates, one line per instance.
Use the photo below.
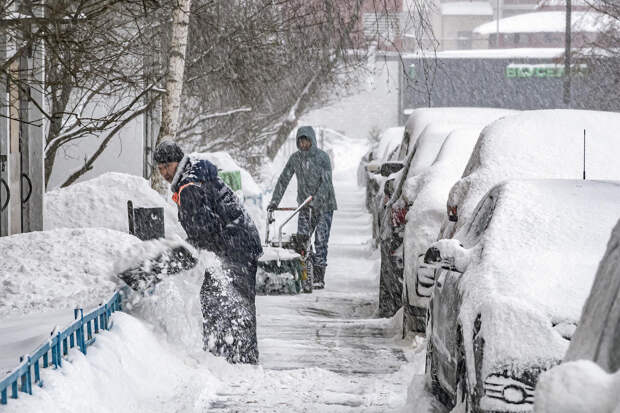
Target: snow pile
(102, 202)
(537, 144)
(577, 387)
(173, 306)
(422, 117)
(63, 268)
(524, 282)
(427, 194)
(546, 22)
(128, 369)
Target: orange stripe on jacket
(176, 197)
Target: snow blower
(286, 265)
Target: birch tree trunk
(171, 102)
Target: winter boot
(319, 278)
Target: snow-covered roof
(466, 8)
(544, 22)
(534, 247)
(539, 144)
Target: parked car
(394, 212)
(425, 131)
(427, 193)
(511, 288)
(536, 144)
(588, 380)
(377, 168)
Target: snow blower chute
(286, 265)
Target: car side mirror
(388, 168)
(448, 254)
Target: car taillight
(452, 215)
(399, 216)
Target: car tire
(463, 395)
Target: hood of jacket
(309, 132)
(191, 169)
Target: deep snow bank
(102, 202)
(128, 369)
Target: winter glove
(272, 207)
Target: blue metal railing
(80, 333)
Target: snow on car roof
(535, 254)
(546, 22)
(388, 141)
(539, 144)
(422, 117)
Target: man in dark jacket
(215, 220)
(313, 170)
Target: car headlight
(508, 390)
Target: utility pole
(567, 54)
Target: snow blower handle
(295, 212)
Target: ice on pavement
(320, 352)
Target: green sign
(543, 70)
(231, 178)
(412, 71)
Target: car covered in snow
(589, 378)
(511, 288)
(425, 131)
(532, 145)
(427, 193)
(394, 212)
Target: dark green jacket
(314, 175)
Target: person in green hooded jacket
(313, 170)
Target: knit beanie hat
(168, 151)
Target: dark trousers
(229, 312)
(320, 223)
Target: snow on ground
(321, 352)
(576, 387)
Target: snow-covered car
(374, 174)
(511, 289)
(427, 193)
(532, 145)
(393, 216)
(589, 378)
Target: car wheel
(463, 395)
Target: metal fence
(80, 334)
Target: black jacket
(211, 213)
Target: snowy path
(325, 351)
